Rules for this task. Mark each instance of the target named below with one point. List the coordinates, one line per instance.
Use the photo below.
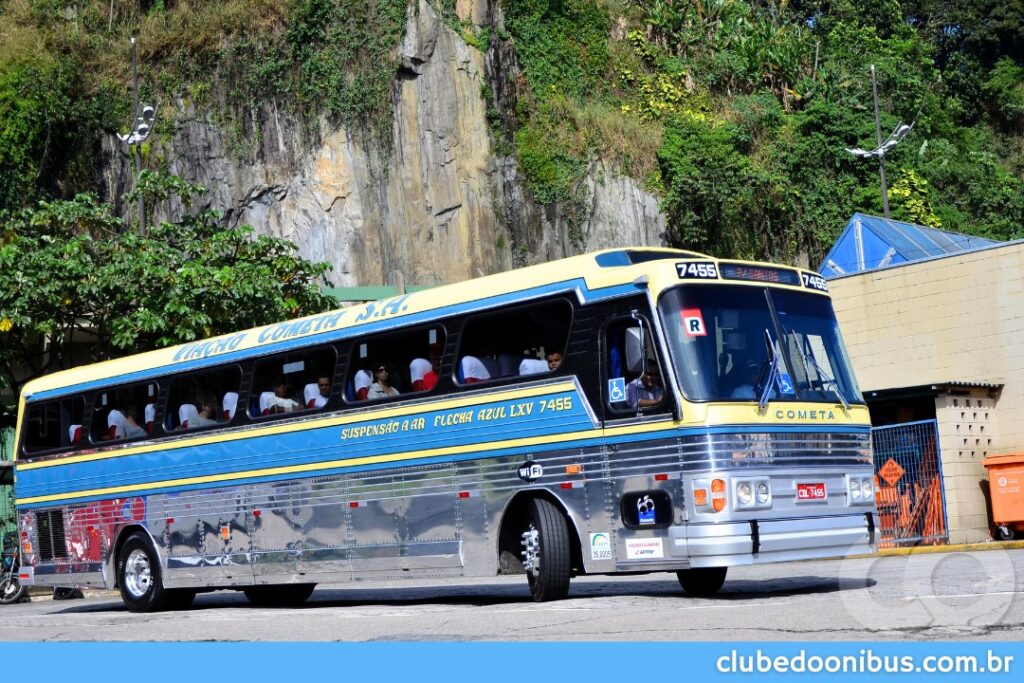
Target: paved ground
(920, 596)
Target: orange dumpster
(1006, 484)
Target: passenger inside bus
(279, 400)
(645, 391)
(316, 395)
(124, 424)
(206, 416)
(554, 360)
(381, 387)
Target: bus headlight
(744, 493)
(752, 494)
(861, 489)
(762, 492)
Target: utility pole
(883, 147)
(878, 141)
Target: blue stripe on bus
(568, 286)
(30, 486)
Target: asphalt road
(943, 596)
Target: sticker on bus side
(703, 270)
(600, 546)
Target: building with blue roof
(870, 242)
(934, 323)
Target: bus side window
(293, 382)
(196, 400)
(120, 413)
(53, 425)
(411, 358)
(515, 342)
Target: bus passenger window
(522, 341)
(293, 382)
(194, 401)
(119, 413)
(395, 364)
(53, 424)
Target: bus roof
(613, 271)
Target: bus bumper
(730, 544)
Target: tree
(69, 272)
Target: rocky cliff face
(438, 207)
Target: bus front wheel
(546, 554)
(138, 576)
(702, 582)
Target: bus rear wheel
(701, 582)
(546, 554)
(138, 576)
(288, 595)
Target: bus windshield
(740, 343)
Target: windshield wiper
(811, 361)
(773, 371)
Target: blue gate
(910, 494)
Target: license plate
(808, 492)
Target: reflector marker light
(574, 469)
(169, 521)
(571, 485)
(660, 477)
(257, 513)
(700, 496)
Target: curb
(952, 548)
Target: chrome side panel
(444, 519)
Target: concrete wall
(953, 319)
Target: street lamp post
(145, 117)
(895, 137)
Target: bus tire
(138, 576)
(702, 582)
(546, 554)
(287, 595)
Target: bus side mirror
(635, 350)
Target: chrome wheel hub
(531, 550)
(138, 575)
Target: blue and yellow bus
(631, 410)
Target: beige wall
(954, 319)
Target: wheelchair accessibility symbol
(785, 384)
(617, 390)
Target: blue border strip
(664, 434)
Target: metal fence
(6, 491)
(911, 497)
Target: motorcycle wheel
(11, 590)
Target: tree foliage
(69, 274)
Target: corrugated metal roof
(871, 242)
